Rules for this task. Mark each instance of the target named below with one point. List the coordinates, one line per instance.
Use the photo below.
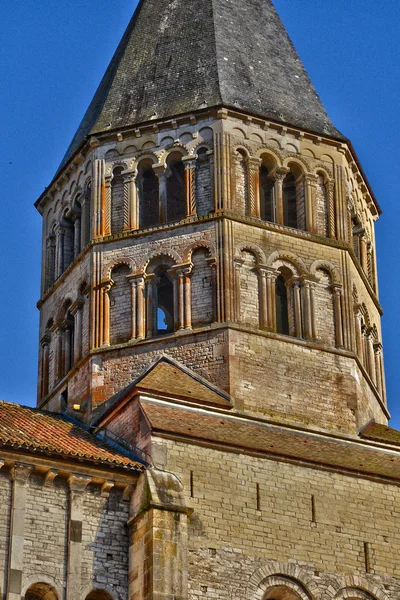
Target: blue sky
(54, 53)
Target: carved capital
(20, 473)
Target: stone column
(85, 217)
(338, 318)
(158, 553)
(67, 348)
(311, 204)
(213, 266)
(188, 298)
(359, 336)
(263, 297)
(105, 312)
(19, 476)
(60, 233)
(99, 197)
(133, 281)
(330, 191)
(309, 309)
(378, 369)
(297, 310)
(371, 355)
(253, 166)
(77, 235)
(151, 294)
(222, 169)
(140, 304)
(271, 300)
(363, 254)
(76, 311)
(131, 208)
(160, 171)
(181, 306)
(190, 181)
(107, 203)
(238, 262)
(278, 178)
(77, 486)
(44, 386)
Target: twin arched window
(282, 195)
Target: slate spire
(179, 56)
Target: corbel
(49, 477)
(106, 488)
(127, 493)
(138, 133)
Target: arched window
(149, 210)
(164, 302)
(120, 306)
(282, 306)
(117, 201)
(267, 200)
(176, 188)
(41, 591)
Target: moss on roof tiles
(177, 57)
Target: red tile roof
(38, 431)
(237, 434)
(381, 433)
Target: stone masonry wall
(105, 546)
(273, 378)
(253, 513)
(120, 306)
(201, 290)
(5, 507)
(205, 353)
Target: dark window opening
(148, 196)
(289, 201)
(267, 208)
(165, 303)
(282, 318)
(176, 189)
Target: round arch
(288, 257)
(206, 246)
(254, 249)
(169, 258)
(326, 266)
(41, 590)
(99, 594)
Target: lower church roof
(30, 429)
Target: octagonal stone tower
(208, 209)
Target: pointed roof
(168, 378)
(178, 57)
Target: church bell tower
(208, 210)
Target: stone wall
(44, 538)
(255, 517)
